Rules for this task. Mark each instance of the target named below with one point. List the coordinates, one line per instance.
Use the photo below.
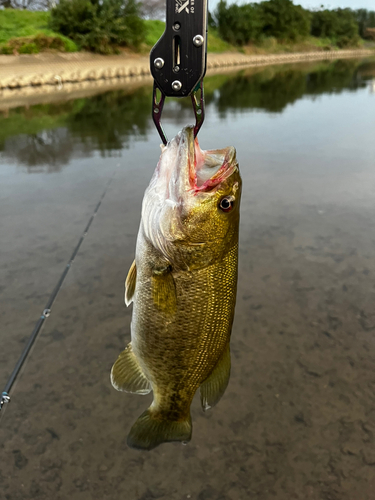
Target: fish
(183, 285)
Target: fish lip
(228, 167)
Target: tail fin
(149, 431)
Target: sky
(313, 4)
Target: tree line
(104, 25)
(285, 21)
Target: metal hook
(157, 108)
(198, 107)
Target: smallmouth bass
(183, 288)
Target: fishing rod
(178, 59)
(5, 395)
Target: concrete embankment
(51, 73)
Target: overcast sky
(313, 4)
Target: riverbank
(50, 73)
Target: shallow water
(298, 417)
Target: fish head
(190, 210)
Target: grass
(23, 31)
(272, 46)
(21, 27)
(19, 24)
(217, 44)
(154, 30)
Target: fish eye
(226, 204)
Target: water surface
(298, 417)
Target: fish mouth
(206, 169)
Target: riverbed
(298, 417)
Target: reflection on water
(47, 136)
(273, 89)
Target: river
(298, 417)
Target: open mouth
(208, 169)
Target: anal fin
(127, 375)
(214, 386)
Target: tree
(99, 25)
(365, 19)
(284, 20)
(338, 24)
(238, 24)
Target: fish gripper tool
(178, 59)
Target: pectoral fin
(127, 375)
(164, 290)
(214, 386)
(130, 282)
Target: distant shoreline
(68, 73)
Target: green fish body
(183, 288)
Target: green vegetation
(28, 32)
(254, 23)
(154, 30)
(365, 20)
(22, 23)
(216, 44)
(238, 24)
(38, 43)
(101, 26)
(106, 26)
(339, 25)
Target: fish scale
(205, 297)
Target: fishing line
(5, 398)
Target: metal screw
(198, 40)
(176, 69)
(176, 26)
(159, 63)
(156, 110)
(176, 85)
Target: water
(298, 417)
